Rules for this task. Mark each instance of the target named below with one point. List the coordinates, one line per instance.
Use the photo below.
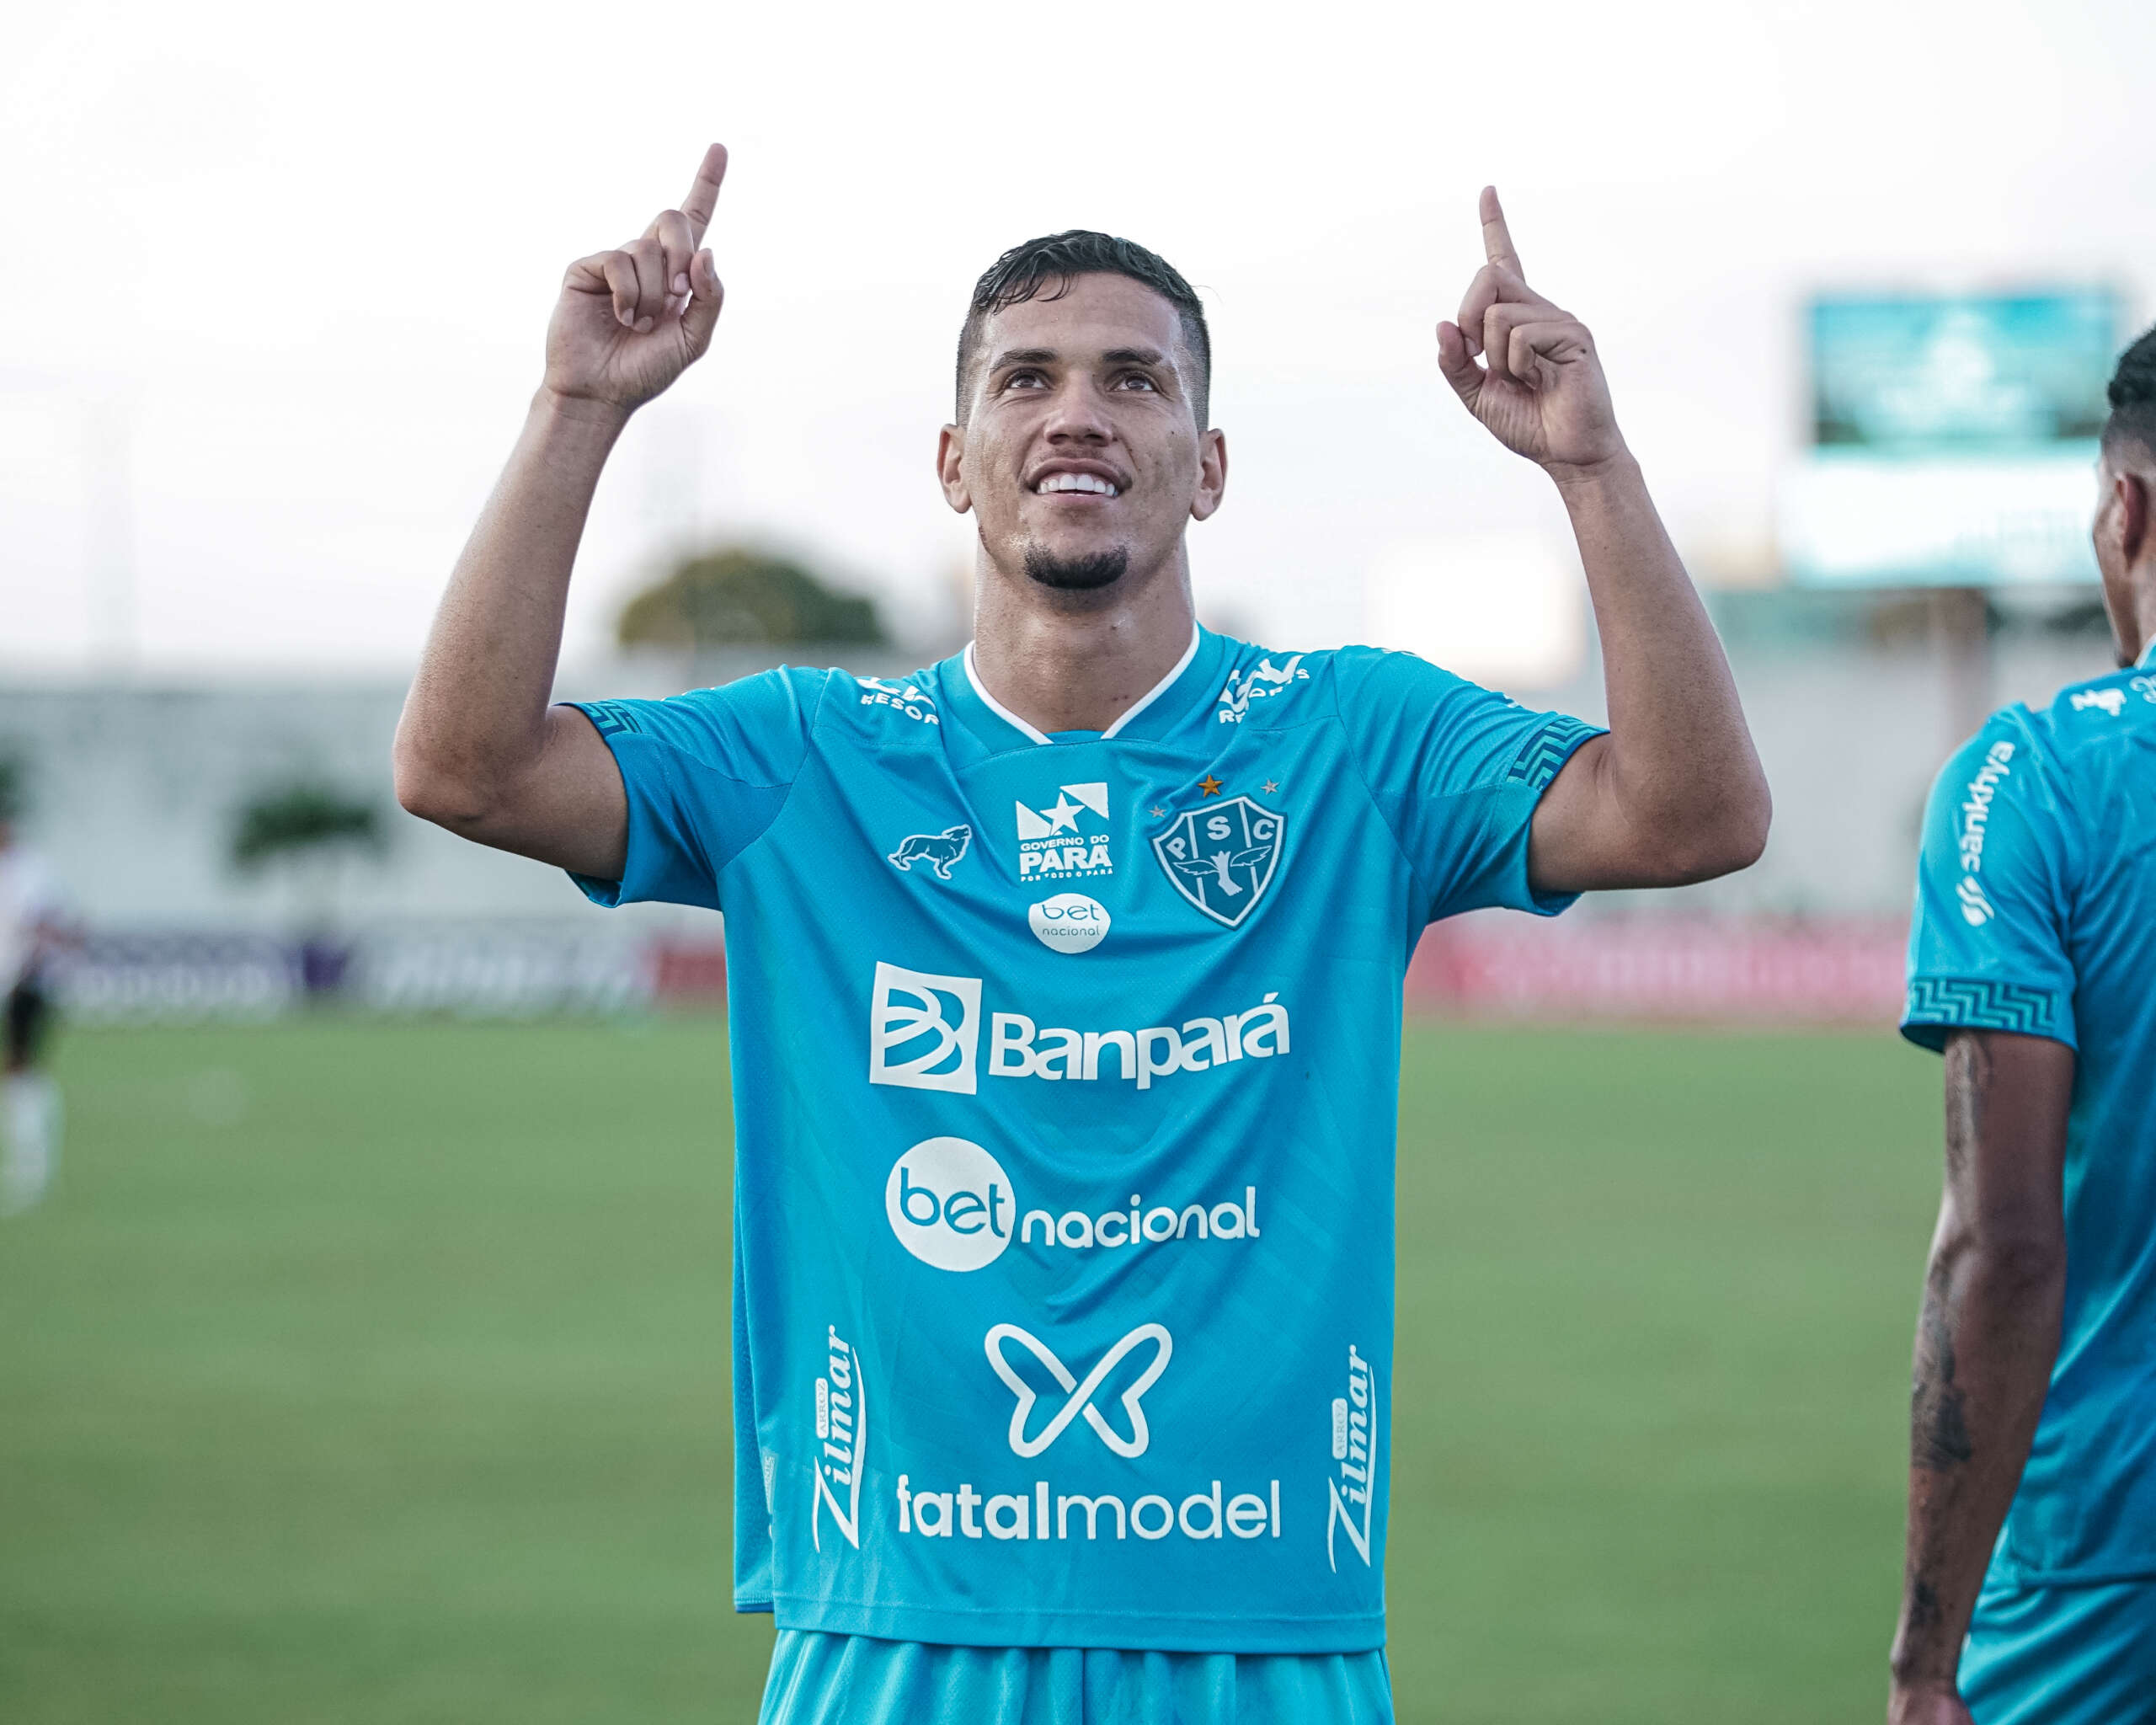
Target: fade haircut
(1045, 268)
(2133, 401)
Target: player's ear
(950, 469)
(2132, 514)
(1212, 474)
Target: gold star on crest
(1209, 786)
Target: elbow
(2017, 1261)
(428, 789)
(1726, 839)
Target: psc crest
(1222, 858)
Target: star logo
(1157, 811)
(1062, 815)
(1209, 786)
(1271, 785)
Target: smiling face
(1079, 453)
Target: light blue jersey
(2036, 912)
(1066, 1074)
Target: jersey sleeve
(1456, 772)
(706, 773)
(1988, 939)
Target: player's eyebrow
(1136, 356)
(1023, 356)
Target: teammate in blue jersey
(2030, 1590)
(1066, 987)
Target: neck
(2144, 616)
(1079, 661)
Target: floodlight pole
(1960, 634)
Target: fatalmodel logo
(1024, 1515)
(1079, 1394)
(842, 1444)
(951, 1206)
(923, 1033)
(1067, 840)
(1355, 1449)
(1221, 859)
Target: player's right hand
(630, 322)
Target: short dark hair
(1045, 268)
(2133, 398)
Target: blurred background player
(2032, 964)
(30, 928)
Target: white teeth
(1076, 481)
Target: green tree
(736, 597)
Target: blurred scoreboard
(1953, 440)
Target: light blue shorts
(2063, 1656)
(855, 1680)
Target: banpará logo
(913, 1041)
(941, 850)
(1069, 922)
(1355, 1453)
(1223, 857)
(2112, 701)
(909, 698)
(923, 1033)
(1262, 681)
(1019, 1048)
(1054, 842)
(1024, 1515)
(1976, 804)
(1976, 909)
(1079, 1394)
(841, 1442)
(951, 1205)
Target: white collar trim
(1145, 701)
(2147, 655)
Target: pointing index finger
(1496, 237)
(703, 193)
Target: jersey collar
(1153, 715)
(2148, 659)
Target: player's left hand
(1540, 388)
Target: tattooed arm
(1986, 1339)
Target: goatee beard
(1076, 574)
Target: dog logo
(941, 850)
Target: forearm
(1679, 761)
(476, 715)
(1986, 1341)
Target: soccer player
(30, 927)
(1066, 987)
(2032, 1429)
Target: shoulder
(1278, 686)
(2094, 718)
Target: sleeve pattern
(1978, 1003)
(1547, 751)
(609, 718)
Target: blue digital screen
(1971, 373)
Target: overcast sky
(276, 279)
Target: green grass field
(366, 1371)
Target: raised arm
(1986, 1337)
(1674, 792)
(479, 751)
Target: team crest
(1223, 856)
